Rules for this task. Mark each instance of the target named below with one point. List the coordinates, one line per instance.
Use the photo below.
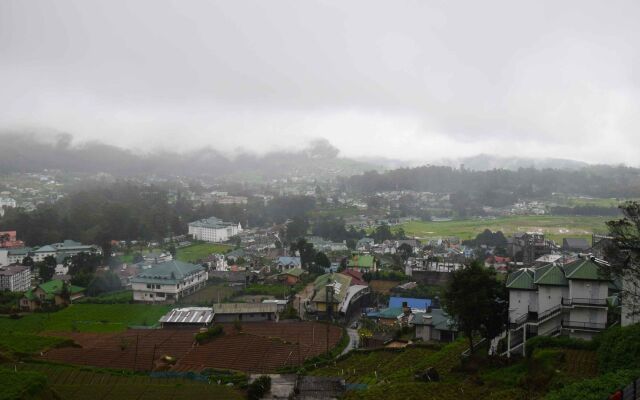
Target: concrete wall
(255, 317)
(550, 296)
(520, 302)
(431, 277)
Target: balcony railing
(549, 313)
(584, 325)
(582, 301)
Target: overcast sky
(419, 80)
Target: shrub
(595, 389)
(209, 334)
(619, 348)
(259, 387)
(545, 342)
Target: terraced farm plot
(77, 384)
(382, 286)
(259, 347)
(581, 363)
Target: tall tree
(477, 302)
(624, 254)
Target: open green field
(86, 318)
(208, 296)
(199, 251)
(555, 227)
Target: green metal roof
(297, 272)
(584, 269)
(361, 261)
(169, 272)
(55, 287)
(390, 313)
(521, 279)
(341, 285)
(439, 320)
(550, 275)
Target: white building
(7, 202)
(168, 282)
(556, 300)
(213, 230)
(15, 278)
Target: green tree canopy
(477, 301)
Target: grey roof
(244, 308)
(189, 315)
(438, 318)
(12, 269)
(211, 223)
(20, 251)
(575, 243)
(46, 249)
(167, 272)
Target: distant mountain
(28, 153)
(486, 162)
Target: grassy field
(86, 318)
(555, 227)
(208, 296)
(199, 251)
(87, 383)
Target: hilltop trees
(477, 301)
(624, 253)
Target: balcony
(585, 302)
(587, 326)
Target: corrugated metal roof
(521, 279)
(244, 308)
(550, 275)
(189, 315)
(584, 269)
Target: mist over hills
(32, 153)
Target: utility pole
(329, 303)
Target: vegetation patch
(209, 334)
(200, 251)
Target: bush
(595, 389)
(259, 387)
(211, 333)
(619, 348)
(545, 342)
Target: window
(148, 286)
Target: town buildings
(557, 300)
(15, 278)
(53, 293)
(168, 282)
(213, 230)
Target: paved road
(354, 339)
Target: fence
(630, 392)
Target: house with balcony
(168, 282)
(556, 300)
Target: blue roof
(421, 304)
(289, 261)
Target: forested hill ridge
(28, 153)
(503, 185)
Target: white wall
(4, 257)
(519, 302)
(630, 307)
(588, 289)
(550, 296)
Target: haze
(416, 81)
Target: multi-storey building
(557, 300)
(213, 230)
(168, 282)
(15, 278)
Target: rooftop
(211, 223)
(169, 271)
(244, 308)
(189, 315)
